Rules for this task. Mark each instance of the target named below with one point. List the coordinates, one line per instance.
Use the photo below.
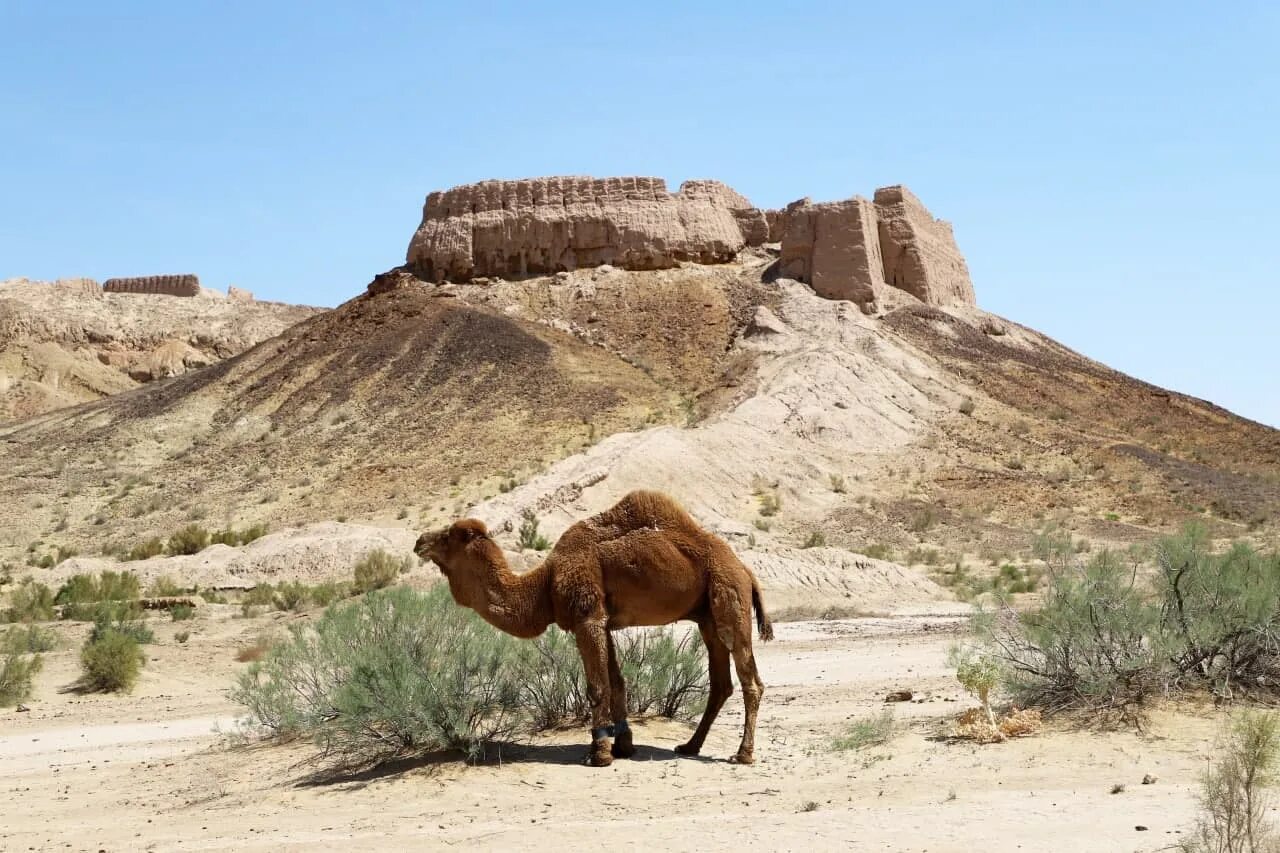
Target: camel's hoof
(688, 749)
(599, 754)
(743, 758)
(622, 746)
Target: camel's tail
(762, 619)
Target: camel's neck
(520, 605)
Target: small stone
(899, 696)
(1148, 779)
(1140, 828)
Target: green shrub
(1233, 799)
(236, 538)
(664, 676)
(191, 539)
(1103, 637)
(164, 587)
(770, 503)
(873, 730)
(324, 594)
(376, 570)
(530, 538)
(111, 661)
(400, 671)
(878, 552)
(816, 539)
(291, 595)
(28, 639)
(153, 547)
(30, 602)
(182, 612)
(182, 636)
(95, 611)
(107, 586)
(392, 673)
(17, 676)
(112, 618)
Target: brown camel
(642, 562)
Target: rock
(854, 249)
(1149, 779)
(920, 253)
(835, 248)
(1140, 828)
(169, 285)
(899, 696)
(21, 709)
(238, 294)
(545, 225)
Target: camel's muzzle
(430, 546)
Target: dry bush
(111, 662)
(974, 725)
(17, 675)
(874, 730)
(1233, 799)
(378, 569)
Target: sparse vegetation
(376, 570)
(529, 537)
(17, 677)
(153, 547)
(106, 586)
(236, 538)
(873, 730)
(191, 539)
(402, 672)
(182, 612)
(27, 640)
(878, 551)
(111, 661)
(30, 601)
(1233, 799)
(837, 484)
(182, 636)
(1104, 637)
(815, 539)
(770, 503)
(966, 406)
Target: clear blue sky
(1112, 169)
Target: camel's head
(462, 551)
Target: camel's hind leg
(752, 689)
(721, 686)
(623, 747)
(593, 645)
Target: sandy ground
(150, 772)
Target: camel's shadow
(495, 756)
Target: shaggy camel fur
(642, 562)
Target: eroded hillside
(69, 342)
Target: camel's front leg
(593, 645)
(623, 747)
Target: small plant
(163, 587)
(324, 594)
(770, 503)
(924, 519)
(810, 806)
(28, 639)
(30, 602)
(403, 514)
(1118, 788)
(878, 551)
(530, 538)
(966, 406)
(111, 661)
(17, 676)
(762, 525)
(873, 730)
(1233, 801)
(376, 570)
(191, 539)
(182, 612)
(978, 673)
(816, 539)
(153, 547)
(291, 595)
(111, 618)
(182, 636)
(837, 484)
(1015, 463)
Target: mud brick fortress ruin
(855, 249)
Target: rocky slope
(810, 431)
(69, 342)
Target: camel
(643, 562)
